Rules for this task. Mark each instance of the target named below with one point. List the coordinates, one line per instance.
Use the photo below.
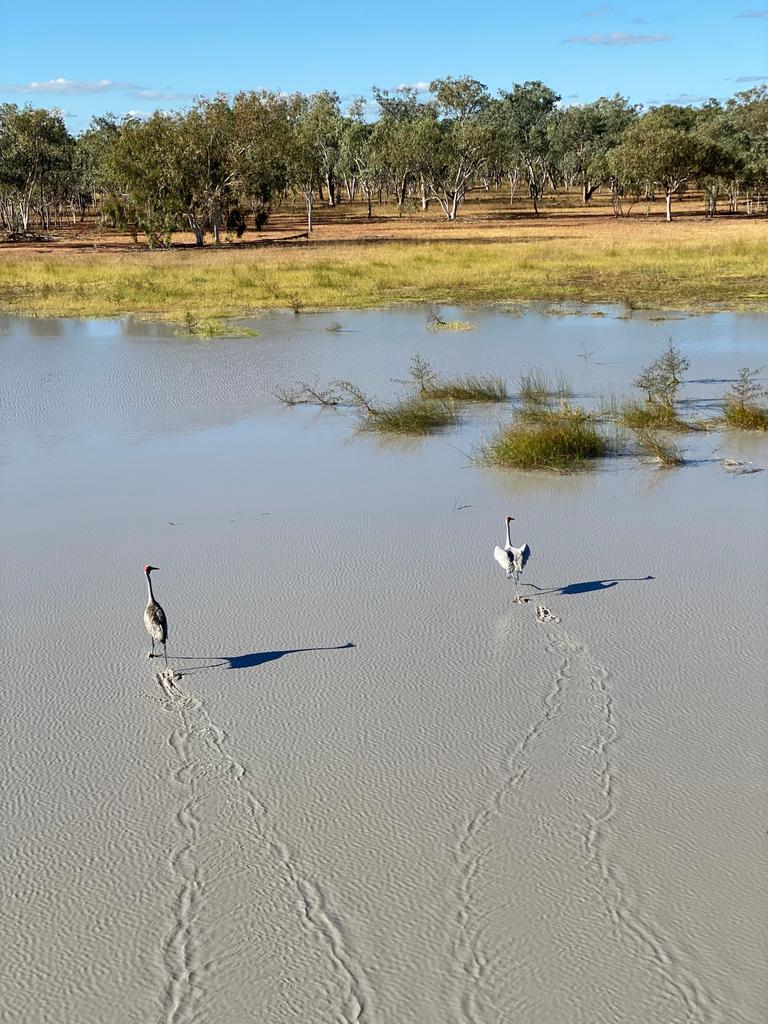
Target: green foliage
(651, 416)
(661, 379)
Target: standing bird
(511, 559)
(154, 618)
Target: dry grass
(492, 254)
(650, 416)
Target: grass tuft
(565, 439)
(654, 449)
(745, 417)
(470, 388)
(412, 415)
(651, 416)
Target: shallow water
(466, 816)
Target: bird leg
(151, 653)
(165, 654)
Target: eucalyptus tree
(581, 136)
(141, 166)
(258, 150)
(91, 161)
(458, 146)
(524, 115)
(748, 113)
(399, 139)
(36, 163)
(661, 149)
(357, 153)
(721, 163)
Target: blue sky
(88, 57)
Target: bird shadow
(252, 660)
(589, 586)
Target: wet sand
(383, 792)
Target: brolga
(154, 617)
(512, 559)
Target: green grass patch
(689, 269)
(651, 416)
(745, 417)
(470, 388)
(566, 439)
(412, 415)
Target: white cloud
(67, 87)
(599, 12)
(418, 86)
(616, 39)
(752, 78)
(752, 14)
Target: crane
(511, 559)
(154, 617)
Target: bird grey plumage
(512, 559)
(154, 618)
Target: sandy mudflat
(384, 794)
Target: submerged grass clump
(748, 417)
(651, 416)
(558, 439)
(470, 388)
(535, 387)
(653, 448)
(742, 409)
(412, 415)
(214, 328)
(436, 323)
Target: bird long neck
(509, 534)
(151, 596)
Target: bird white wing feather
(504, 558)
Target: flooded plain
(379, 790)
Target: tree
(524, 115)
(37, 153)
(582, 135)
(357, 152)
(457, 145)
(258, 149)
(661, 149)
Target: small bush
(335, 327)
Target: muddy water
(382, 792)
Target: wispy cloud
(599, 12)
(752, 78)
(418, 86)
(752, 14)
(616, 39)
(68, 87)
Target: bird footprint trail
(244, 916)
(546, 832)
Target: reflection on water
(138, 379)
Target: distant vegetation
(223, 165)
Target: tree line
(227, 161)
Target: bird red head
(149, 568)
